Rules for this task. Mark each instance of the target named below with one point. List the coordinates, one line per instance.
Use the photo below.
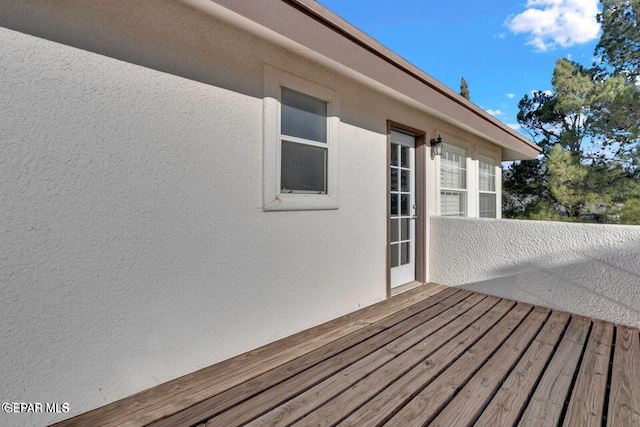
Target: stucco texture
(134, 244)
(587, 269)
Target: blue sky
(503, 49)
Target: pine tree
(619, 45)
(619, 50)
(589, 130)
(586, 131)
(464, 88)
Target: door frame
(421, 176)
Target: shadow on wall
(114, 29)
(603, 284)
(149, 34)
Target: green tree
(568, 180)
(589, 129)
(525, 189)
(619, 45)
(579, 177)
(630, 211)
(573, 112)
(590, 192)
(464, 88)
(618, 120)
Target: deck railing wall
(588, 269)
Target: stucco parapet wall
(308, 28)
(587, 269)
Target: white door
(403, 209)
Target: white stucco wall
(134, 244)
(588, 269)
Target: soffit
(310, 30)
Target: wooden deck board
(432, 355)
(340, 407)
(324, 391)
(547, 402)
(383, 405)
(433, 398)
(587, 402)
(508, 403)
(168, 398)
(476, 393)
(624, 400)
(245, 410)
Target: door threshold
(403, 288)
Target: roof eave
(308, 28)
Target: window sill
(301, 202)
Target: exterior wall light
(437, 146)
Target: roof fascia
(309, 29)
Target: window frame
(323, 145)
(461, 191)
(273, 198)
(495, 175)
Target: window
(301, 138)
(487, 187)
(453, 181)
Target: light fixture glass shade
(437, 145)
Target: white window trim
(465, 190)
(497, 176)
(272, 198)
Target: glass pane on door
(395, 253)
(402, 208)
(401, 200)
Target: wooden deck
(430, 356)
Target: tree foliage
(619, 45)
(526, 193)
(588, 127)
(464, 88)
(583, 106)
(593, 192)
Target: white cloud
(514, 126)
(552, 23)
(494, 113)
(511, 95)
